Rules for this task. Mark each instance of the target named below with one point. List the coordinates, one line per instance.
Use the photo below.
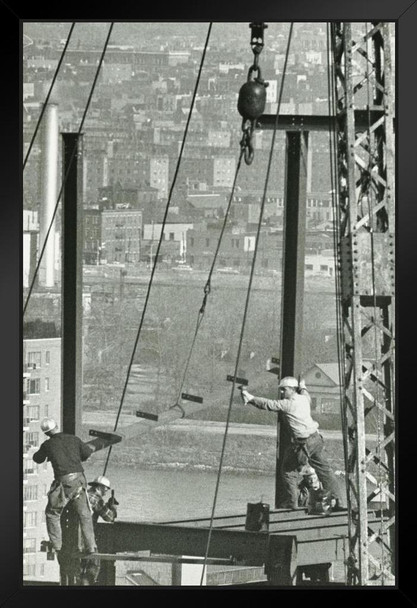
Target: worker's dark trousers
(68, 488)
(299, 454)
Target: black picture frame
(12, 14)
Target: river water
(165, 495)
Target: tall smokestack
(49, 193)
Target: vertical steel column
(293, 274)
(72, 240)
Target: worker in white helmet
(312, 494)
(306, 445)
(96, 494)
(66, 453)
(97, 491)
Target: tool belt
(68, 477)
(64, 483)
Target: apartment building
(41, 398)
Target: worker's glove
(246, 397)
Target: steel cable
(246, 308)
(32, 141)
(207, 287)
(160, 241)
(67, 173)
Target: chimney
(49, 193)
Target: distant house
(323, 384)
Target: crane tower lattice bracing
(365, 229)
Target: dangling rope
(159, 243)
(48, 96)
(207, 287)
(67, 173)
(245, 314)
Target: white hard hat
(100, 480)
(308, 471)
(288, 381)
(48, 424)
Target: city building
(323, 383)
(41, 398)
(121, 231)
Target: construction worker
(312, 494)
(96, 493)
(66, 453)
(306, 443)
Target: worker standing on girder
(306, 445)
(96, 494)
(66, 453)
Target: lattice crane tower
(365, 228)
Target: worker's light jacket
(296, 411)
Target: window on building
(29, 467)
(46, 410)
(313, 403)
(29, 569)
(46, 384)
(29, 545)
(32, 412)
(309, 266)
(34, 360)
(30, 493)
(207, 242)
(34, 386)
(32, 439)
(324, 268)
(30, 519)
(47, 357)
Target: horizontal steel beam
(171, 559)
(318, 539)
(250, 548)
(318, 122)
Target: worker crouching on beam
(306, 445)
(96, 494)
(66, 453)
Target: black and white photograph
(208, 323)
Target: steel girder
(365, 228)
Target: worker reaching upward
(66, 453)
(306, 444)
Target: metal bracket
(147, 415)
(189, 397)
(242, 381)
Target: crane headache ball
(252, 99)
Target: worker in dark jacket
(307, 445)
(96, 495)
(66, 453)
